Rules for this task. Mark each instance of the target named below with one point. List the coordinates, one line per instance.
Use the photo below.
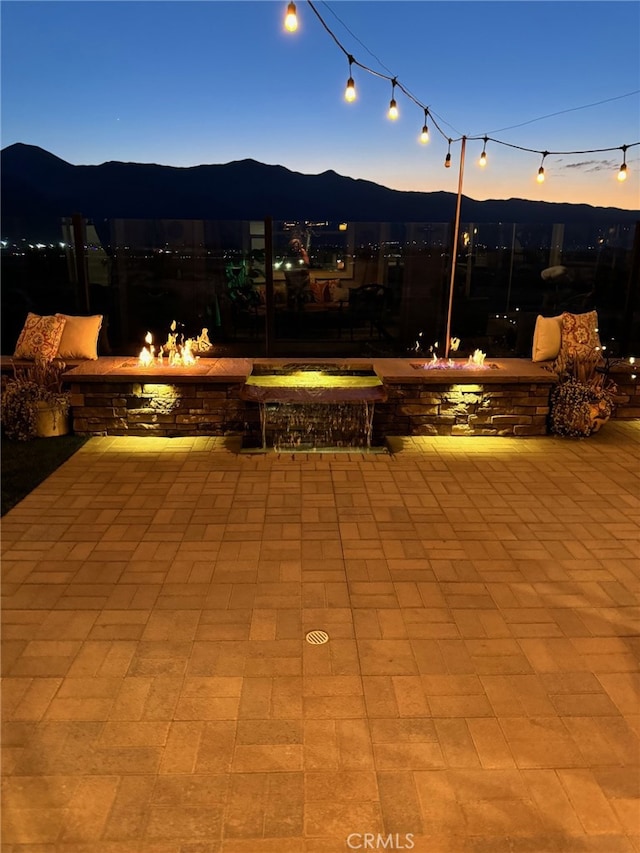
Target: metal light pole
(454, 255)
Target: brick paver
(479, 690)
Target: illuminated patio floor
(479, 690)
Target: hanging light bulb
(483, 156)
(350, 91)
(622, 174)
(393, 107)
(291, 18)
(447, 159)
(540, 178)
(424, 136)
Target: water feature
(314, 406)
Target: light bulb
(393, 109)
(350, 91)
(540, 178)
(424, 136)
(291, 19)
(483, 159)
(447, 161)
(622, 174)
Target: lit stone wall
(513, 409)
(627, 394)
(119, 407)
(134, 408)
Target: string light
(350, 91)
(447, 159)
(622, 174)
(483, 156)
(540, 178)
(291, 18)
(393, 107)
(291, 24)
(424, 136)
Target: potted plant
(34, 402)
(584, 398)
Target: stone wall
(627, 395)
(135, 408)
(514, 409)
(124, 407)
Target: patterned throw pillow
(337, 291)
(580, 342)
(318, 290)
(80, 337)
(329, 290)
(40, 337)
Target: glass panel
(339, 288)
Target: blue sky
(185, 83)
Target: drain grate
(317, 638)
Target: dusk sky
(188, 83)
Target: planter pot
(51, 421)
(599, 414)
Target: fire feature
(179, 352)
(476, 361)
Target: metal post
(513, 249)
(268, 285)
(454, 254)
(81, 259)
(631, 298)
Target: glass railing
(325, 288)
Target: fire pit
(179, 352)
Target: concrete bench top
(8, 362)
(389, 370)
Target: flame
(178, 353)
(145, 358)
(146, 355)
(182, 355)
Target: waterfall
(316, 426)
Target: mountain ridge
(39, 188)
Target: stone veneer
(116, 397)
(164, 409)
(464, 409)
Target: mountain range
(38, 189)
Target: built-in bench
(8, 363)
(116, 396)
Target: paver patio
(479, 690)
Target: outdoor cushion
(337, 291)
(80, 337)
(547, 338)
(40, 337)
(319, 290)
(580, 341)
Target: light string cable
(429, 114)
(392, 79)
